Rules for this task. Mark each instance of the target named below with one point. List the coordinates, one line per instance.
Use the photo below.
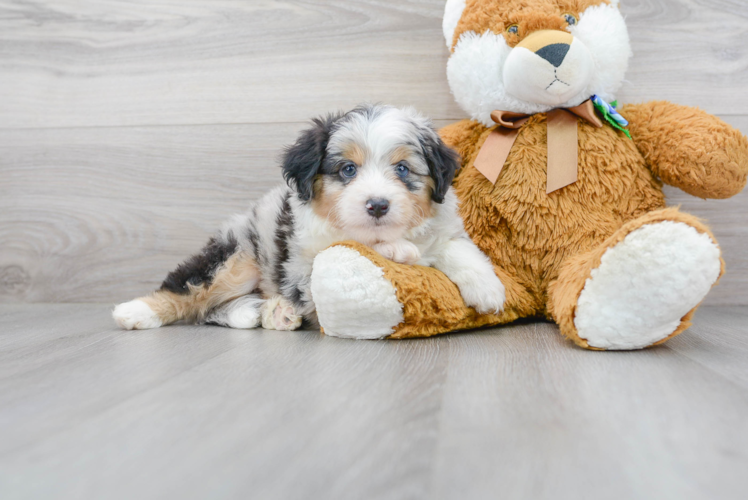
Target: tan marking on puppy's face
(528, 16)
(355, 153)
(402, 153)
(422, 204)
(326, 197)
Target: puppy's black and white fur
(378, 175)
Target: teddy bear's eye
(513, 29)
(570, 19)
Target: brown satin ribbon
(562, 143)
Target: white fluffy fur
(135, 315)
(353, 298)
(240, 313)
(452, 14)
(469, 268)
(402, 251)
(477, 74)
(645, 285)
(533, 79)
(603, 31)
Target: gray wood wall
(130, 128)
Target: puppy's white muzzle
(548, 67)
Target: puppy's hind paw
(136, 315)
(279, 314)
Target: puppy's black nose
(377, 207)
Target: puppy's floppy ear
(443, 163)
(303, 161)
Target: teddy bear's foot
(352, 296)
(645, 286)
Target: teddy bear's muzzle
(548, 67)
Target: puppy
(378, 175)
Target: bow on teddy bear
(602, 256)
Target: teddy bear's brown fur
(545, 246)
(528, 15)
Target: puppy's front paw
(401, 251)
(136, 315)
(279, 314)
(485, 294)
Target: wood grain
(88, 411)
(121, 62)
(129, 130)
(90, 63)
(525, 416)
(102, 214)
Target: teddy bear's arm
(689, 148)
(360, 294)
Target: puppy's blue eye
(401, 170)
(348, 171)
(513, 29)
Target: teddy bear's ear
(452, 14)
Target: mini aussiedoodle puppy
(378, 175)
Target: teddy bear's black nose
(554, 53)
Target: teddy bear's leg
(360, 294)
(641, 286)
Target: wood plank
(101, 215)
(76, 363)
(530, 416)
(280, 415)
(225, 61)
(196, 412)
(24, 348)
(718, 342)
(72, 63)
(688, 51)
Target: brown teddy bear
(561, 190)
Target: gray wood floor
(130, 129)
(88, 411)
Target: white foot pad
(645, 285)
(279, 314)
(135, 315)
(352, 296)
